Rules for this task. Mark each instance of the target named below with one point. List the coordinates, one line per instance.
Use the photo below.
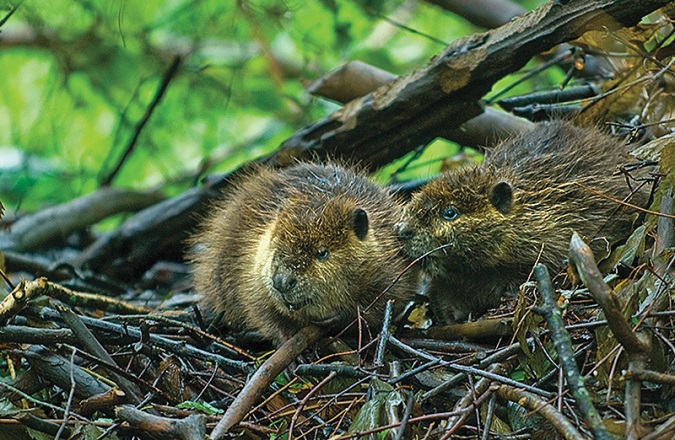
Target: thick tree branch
(415, 109)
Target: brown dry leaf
(524, 321)
(418, 318)
(643, 36)
(622, 101)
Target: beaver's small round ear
(501, 197)
(359, 219)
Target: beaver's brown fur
(525, 198)
(308, 244)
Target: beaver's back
(564, 178)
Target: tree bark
(415, 109)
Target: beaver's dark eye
(322, 255)
(450, 214)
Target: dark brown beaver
(496, 217)
(308, 244)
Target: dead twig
(159, 94)
(315, 389)
(563, 345)
(536, 404)
(582, 257)
(267, 372)
(91, 344)
(190, 428)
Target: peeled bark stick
(536, 404)
(349, 81)
(475, 329)
(563, 345)
(265, 375)
(102, 402)
(633, 399)
(659, 298)
(384, 335)
(17, 299)
(34, 230)
(417, 108)
(582, 257)
(190, 428)
(664, 225)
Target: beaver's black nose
(404, 231)
(284, 282)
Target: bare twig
(190, 428)
(306, 399)
(91, 344)
(466, 370)
(175, 347)
(267, 372)
(582, 257)
(384, 334)
(468, 401)
(161, 90)
(563, 345)
(537, 404)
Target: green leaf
(626, 253)
(204, 407)
(386, 400)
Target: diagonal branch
(417, 108)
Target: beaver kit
(496, 219)
(308, 244)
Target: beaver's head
(464, 214)
(317, 248)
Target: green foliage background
(77, 76)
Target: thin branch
(161, 90)
(563, 345)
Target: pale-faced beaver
(306, 244)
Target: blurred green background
(77, 76)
